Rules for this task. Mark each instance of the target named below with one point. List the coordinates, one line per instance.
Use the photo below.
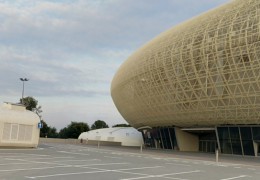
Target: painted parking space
(62, 161)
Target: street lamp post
(23, 80)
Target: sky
(71, 49)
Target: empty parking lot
(64, 161)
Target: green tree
(47, 131)
(99, 124)
(44, 130)
(121, 125)
(53, 133)
(73, 130)
(29, 102)
(38, 111)
(63, 133)
(31, 105)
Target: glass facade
(207, 142)
(238, 139)
(256, 133)
(160, 137)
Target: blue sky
(71, 49)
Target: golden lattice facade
(203, 72)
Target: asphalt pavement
(54, 161)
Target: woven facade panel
(203, 72)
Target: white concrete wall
(18, 127)
(186, 141)
(128, 136)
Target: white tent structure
(18, 126)
(128, 136)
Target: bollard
(141, 148)
(217, 155)
(98, 144)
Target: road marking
(125, 172)
(73, 153)
(174, 178)
(178, 164)
(15, 156)
(253, 169)
(77, 160)
(48, 158)
(208, 164)
(162, 175)
(22, 149)
(38, 162)
(91, 172)
(14, 163)
(113, 157)
(128, 169)
(157, 158)
(149, 167)
(13, 159)
(23, 154)
(65, 174)
(238, 177)
(221, 165)
(86, 165)
(29, 169)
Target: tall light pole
(23, 80)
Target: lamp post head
(24, 79)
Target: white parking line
(22, 154)
(112, 157)
(125, 171)
(14, 159)
(65, 174)
(91, 172)
(163, 175)
(15, 156)
(27, 149)
(35, 158)
(128, 169)
(177, 164)
(29, 169)
(73, 153)
(221, 165)
(77, 160)
(86, 165)
(157, 158)
(6, 164)
(37, 162)
(174, 178)
(149, 167)
(253, 169)
(238, 177)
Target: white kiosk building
(18, 126)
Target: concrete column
(186, 141)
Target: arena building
(196, 87)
